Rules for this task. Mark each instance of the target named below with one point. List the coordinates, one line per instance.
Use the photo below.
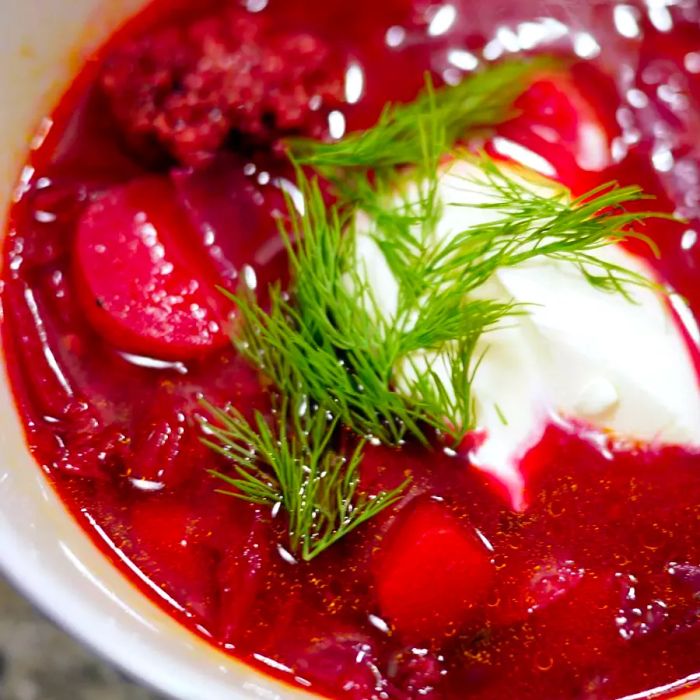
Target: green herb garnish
(329, 343)
(291, 465)
(481, 101)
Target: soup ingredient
(331, 338)
(174, 532)
(431, 572)
(241, 574)
(345, 343)
(617, 362)
(402, 135)
(290, 466)
(235, 219)
(189, 89)
(139, 286)
(557, 132)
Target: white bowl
(43, 551)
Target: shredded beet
(190, 88)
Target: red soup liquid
(592, 592)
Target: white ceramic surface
(45, 553)
(42, 550)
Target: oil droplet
(621, 560)
(543, 662)
(653, 538)
(499, 561)
(493, 600)
(555, 508)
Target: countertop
(40, 662)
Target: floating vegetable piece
(242, 574)
(557, 133)
(179, 537)
(431, 572)
(138, 286)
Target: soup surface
(589, 588)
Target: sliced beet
(526, 587)
(416, 672)
(138, 283)
(242, 573)
(431, 572)
(340, 658)
(166, 449)
(171, 547)
(558, 124)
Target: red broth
(593, 591)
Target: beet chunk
(189, 88)
(431, 572)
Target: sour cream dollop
(581, 354)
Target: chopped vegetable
(431, 572)
(140, 289)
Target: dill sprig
(481, 101)
(531, 222)
(290, 465)
(329, 339)
(330, 342)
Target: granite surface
(40, 662)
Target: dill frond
(330, 340)
(481, 101)
(291, 465)
(407, 371)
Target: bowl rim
(26, 567)
(75, 632)
(98, 621)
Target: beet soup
(367, 334)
